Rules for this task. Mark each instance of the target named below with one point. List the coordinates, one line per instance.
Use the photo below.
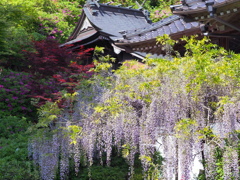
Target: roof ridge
(90, 3)
(94, 7)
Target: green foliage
(118, 170)
(18, 23)
(219, 163)
(15, 88)
(222, 101)
(14, 160)
(59, 19)
(167, 44)
(126, 148)
(154, 170)
(20, 13)
(206, 133)
(51, 111)
(184, 128)
(11, 125)
(16, 39)
(205, 64)
(3, 32)
(48, 113)
(25, 20)
(102, 63)
(74, 132)
(143, 82)
(104, 173)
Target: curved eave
(151, 46)
(174, 29)
(91, 34)
(174, 36)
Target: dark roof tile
(166, 30)
(220, 1)
(112, 19)
(155, 34)
(160, 32)
(173, 28)
(186, 25)
(151, 27)
(191, 5)
(179, 25)
(195, 24)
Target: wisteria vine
(185, 108)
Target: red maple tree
(49, 60)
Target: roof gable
(114, 20)
(86, 25)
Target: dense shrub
(14, 91)
(48, 70)
(48, 58)
(11, 125)
(14, 161)
(17, 90)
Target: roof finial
(210, 7)
(93, 2)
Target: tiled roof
(115, 20)
(171, 25)
(183, 20)
(189, 6)
(132, 30)
(151, 27)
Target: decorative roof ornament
(93, 2)
(210, 8)
(183, 2)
